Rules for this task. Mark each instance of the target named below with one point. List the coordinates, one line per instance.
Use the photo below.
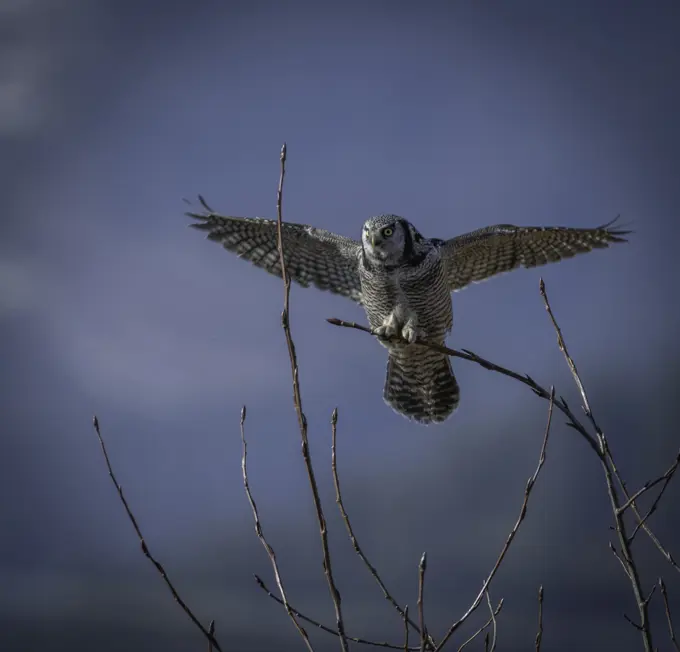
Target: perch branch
(559, 403)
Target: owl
(404, 282)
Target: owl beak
(375, 239)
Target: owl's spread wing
(313, 256)
(478, 255)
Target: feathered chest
(421, 288)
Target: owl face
(384, 239)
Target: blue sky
(455, 116)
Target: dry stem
(493, 620)
(330, 630)
(405, 628)
(302, 420)
(669, 619)
(261, 537)
(422, 567)
(522, 513)
(483, 627)
(617, 507)
(352, 536)
(539, 634)
(207, 633)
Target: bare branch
(211, 631)
(618, 557)
(669, 619)
(606, 462)
(563, 348)
(422, 566)
(464, 354)
(645, 487)
(261, 537)
(640, 521)
(208, 634)
(406, 628)
(634, 624)
(522, 513)
(539, 633)
(602, 440)
(330, 630)
(482, 628)
(302, 419)
(668, 476)
(353, 539)
(493, 620)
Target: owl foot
(411, 333)
(392, 327)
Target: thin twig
(645, 487)
(261, 537)
(522, 513)
(669, 619)
(493, 620)
(630, 621)
(145, 549)
(609, 467)
(539, 633)
(482, 628)
(640, 520)
(616, 506)
(405, 628)
(422, 567)
(330, 630)
(211, 631)
(618, 557)
(668, 476)
(352, 537)
(302, 419)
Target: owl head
(390, 240)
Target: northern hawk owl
(404, 282)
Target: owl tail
(420, 384)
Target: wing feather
(313, 256)
(481, 254)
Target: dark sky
(454, 115)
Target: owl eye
(388, 232)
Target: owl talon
(411, 333)
(386, 331)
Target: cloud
(40, 38)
